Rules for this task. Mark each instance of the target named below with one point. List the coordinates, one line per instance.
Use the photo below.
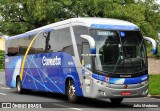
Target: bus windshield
(119, 52)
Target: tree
(22, 15)
(1, 59)
(150, 25)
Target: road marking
(76, 109)
(68, 107)
(5, 88)
(61, 105)
(3, 94)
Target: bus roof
(93, 23)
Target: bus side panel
(68, 69)
(42, 76)
(36, 74)
(52, 79)
(12, 69)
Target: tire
(20, 90)
(116, 100)
(71, 92)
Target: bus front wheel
(19, 86)
(116, 100)
(71, 92)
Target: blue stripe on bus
(114, 27)
(134, 80)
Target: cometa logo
(51, 61)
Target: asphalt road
(60, 103)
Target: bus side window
(22, 50)
(47, 42)
(12, 48)
(86, 58)
(82, 44)
(60, 41)
(23, 44)
(12, 51)
(38, 46)
(68, 49)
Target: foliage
(1, 59)
(154, 82)
(150, 52)
(19, 16)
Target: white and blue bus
(88, 57)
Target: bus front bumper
(105, 90)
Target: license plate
(126, 93)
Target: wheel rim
(72, 91)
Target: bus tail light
(126, 93)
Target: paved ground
(60, 103)
(153, 66)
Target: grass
(154, 84)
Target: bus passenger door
(86, 70)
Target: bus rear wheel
(20, 90)
(71, 92)
(116, 100)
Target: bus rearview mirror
(91, 43)
(154, 44)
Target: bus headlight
(103, 93)
(144, 82)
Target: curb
(154, 96)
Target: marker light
(122, 34)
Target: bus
(80, 57)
